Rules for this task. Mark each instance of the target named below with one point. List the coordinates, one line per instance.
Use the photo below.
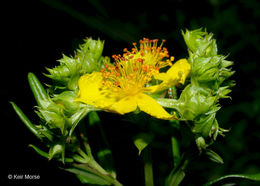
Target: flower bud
(87, 59)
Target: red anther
(106, 66)
(135, 69)
(125, 50)
(163, 40)
(117, 83)
(117, 74)
(131, 57)
(102, 70)
(134, 43)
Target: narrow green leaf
(46, 155)
(39, 151)
(253, 177)
(176, 178)
(88, 177)
(142, 140)
(177, 174)
(40, 95)
(26, 121)
(213, 156)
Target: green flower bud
(56, 150)
(208, 83)
(200, 42)
(87, 59)
(201, 144)
(89, 55)
(66, 101)
(53, 116)
(193, 103)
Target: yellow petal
(124, 105)
(175, 75)
(90, 91)
(180, 70)
(150, 106)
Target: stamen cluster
(135, 68)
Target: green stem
(175, 151)
(91, 162)
(148, 167)
(84, 138)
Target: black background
(36, 33)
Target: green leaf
(39, 151)
(26, 121)
(93, 118)
(88, 177)
(54, 150)
(213, 156)
(46, 155)
(253, 177)
(78, 116)
(40, 95)
(176, 178)
(142, 140)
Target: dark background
(36, 33)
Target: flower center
(132, 71)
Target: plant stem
(175, 151)
(148, 167)
(98, 170)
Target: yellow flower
(125, 85)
